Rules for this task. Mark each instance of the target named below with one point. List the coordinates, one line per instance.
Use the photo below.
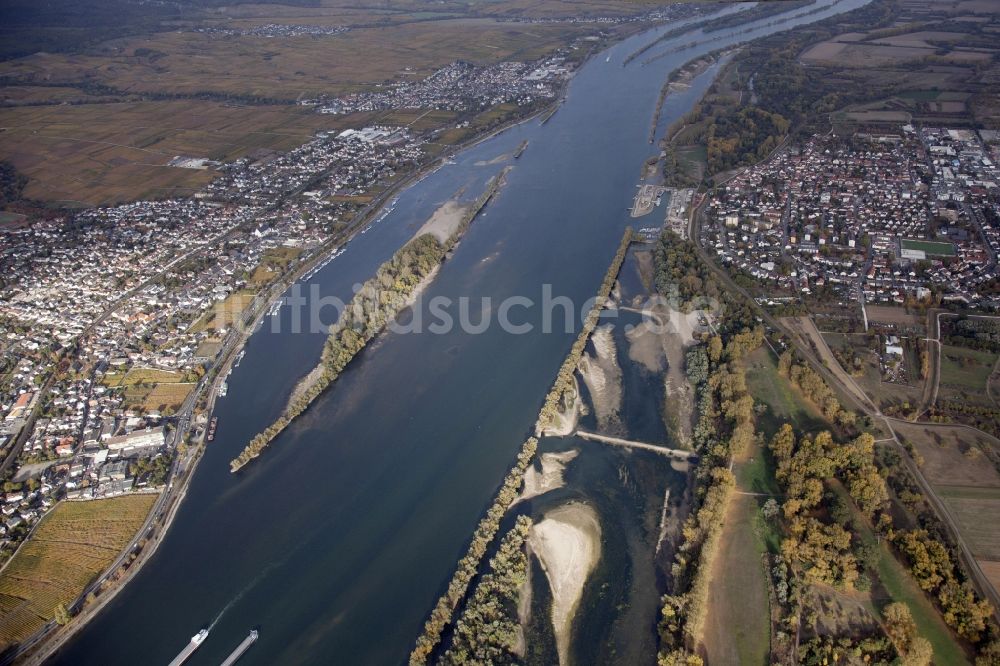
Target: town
(116, 321)
(890, 218)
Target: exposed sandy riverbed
(603, 376)
(445, 221)
(568, 545)
(551, 477)
(663, 338)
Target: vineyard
(72, 546)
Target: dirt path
(805, 327)
(738, 621)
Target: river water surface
(338, 540)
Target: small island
(395, 285)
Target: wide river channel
(338, 540)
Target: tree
(899, 624)
(920, 653)
(715, 349)
(61, 615)
(770, 508)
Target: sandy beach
(568, 545)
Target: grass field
(966, 368)
(931, 248)
(74, 543)
(738, 625)
(785, 403)
(896, 584)
(274, 261)
(208, 349)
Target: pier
(676, 454)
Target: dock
(241, 648)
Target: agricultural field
(961, 465)
(98, 124)
(141, 376)
(72, 545)
(93, 154)
(895, 316)
(292, 68)
(163, 398)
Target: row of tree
(934, 569)
(563, 391)
(485, 532)
(725, 427)
(489, 630)
(815, 389)
(376, 303)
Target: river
(339, 539)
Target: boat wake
(239, 595)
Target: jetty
(676, 454)
(241, 648)
(646, 198)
